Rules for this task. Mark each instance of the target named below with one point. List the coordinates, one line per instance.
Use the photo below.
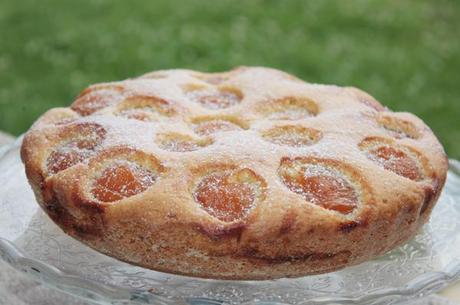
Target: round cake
(246, 174)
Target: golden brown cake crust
(246, 174)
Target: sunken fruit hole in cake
(121, 179)
(295, 136)
(215, 98)
(70, 154)
(223, 197)
(139, 113)
(144, 108)
(290, 108)
(322, 186)
(213, 126)
(291, 113)
(395, 133)
(94, 99)
(373, 104)
(395, 160)
(215, 80)
(399, 129)
(180, 143)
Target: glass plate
(30, 242)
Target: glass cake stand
(31, 243)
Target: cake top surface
(229, 145)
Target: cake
(248, 174)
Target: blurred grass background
(405, 53)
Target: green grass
(405, 53)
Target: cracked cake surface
(246, 174)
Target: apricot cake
(246, 174)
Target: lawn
(405, 53)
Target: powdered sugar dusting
(122, 179)
(97, 98)
(212, 126)
(292, 135)
(145, 109)
(215, 99)
(228, 195)
(290, 113)
(243, 114)
(290, 108)
(320, 185)
(395, 159)
(398, 128)
(181, 143)
(83, 142)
